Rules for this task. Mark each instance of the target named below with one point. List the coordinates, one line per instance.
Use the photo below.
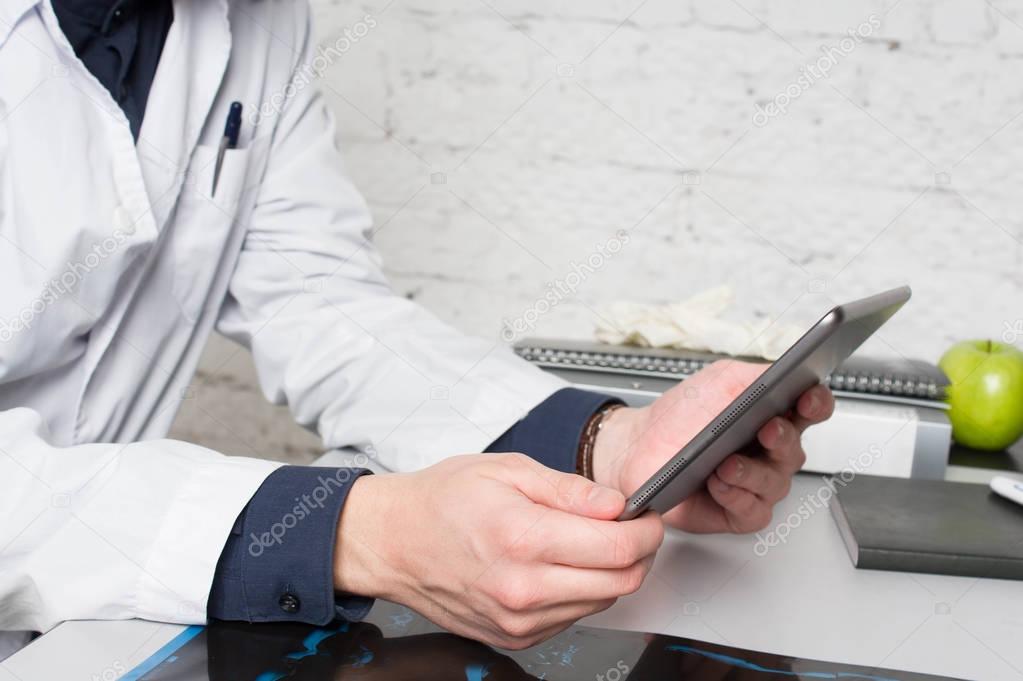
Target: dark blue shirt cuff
(550, 432)
(278, 563)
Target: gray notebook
(887, 379)
(951, 528)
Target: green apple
(986, 395)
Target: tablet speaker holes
(666, 475)
(738, 409)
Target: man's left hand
(634, 443)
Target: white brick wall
(557, 123)
(500, 141)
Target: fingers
(583, 585)
(813, 406)
(563, 491)
(740, 494)
(526, 614)
(738, 498)
(599, 585)
(768, 476)
(699, 514)
(768, 480)
(579, 529)
(744, 510)
(582, 542)
(780, 437)
(498, 555)
(782, 446)
(746, 488)
(566, 591)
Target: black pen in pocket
(228, 141)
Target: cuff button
(289, 603)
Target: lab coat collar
(11, 12)
(190, 73)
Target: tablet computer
(810, 359)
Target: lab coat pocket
(208, 226)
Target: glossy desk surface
(801, 597)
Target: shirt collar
(11, 12)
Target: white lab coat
(116, 265)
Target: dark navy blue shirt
(120, 42)
(277, 563)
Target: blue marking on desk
(163, 653)
(311, 643)
(476, 672)
(746, 664)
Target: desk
(802, 598)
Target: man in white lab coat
(117, 261)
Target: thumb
(566, 491)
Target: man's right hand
(495, 547)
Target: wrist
(612, 446)
(361, 566)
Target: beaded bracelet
(584, 458)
